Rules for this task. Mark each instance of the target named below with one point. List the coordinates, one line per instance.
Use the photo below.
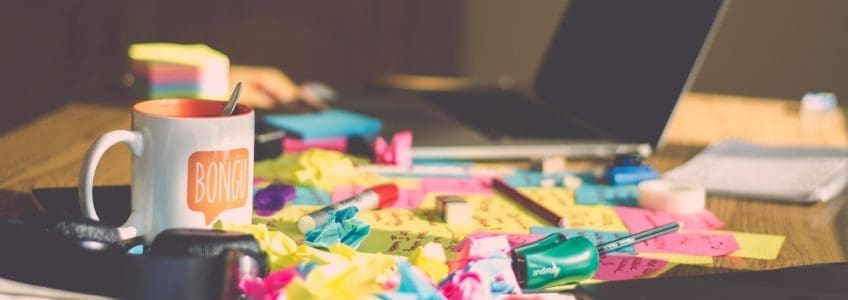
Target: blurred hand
(268, 87)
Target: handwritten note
(595, 236)
(594, 217)
(692, 243)
(619, 267)
(638, 219)
(554, 199)
(514, 239)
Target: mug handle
(133, 139)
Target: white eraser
(454, 210)
(550, 165)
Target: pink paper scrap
(691, 243)
(638, 219)
(296, 145)
(621, 267)
(398, 152)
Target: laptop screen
(620, 66)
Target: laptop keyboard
(506, 115)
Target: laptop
(609, 82)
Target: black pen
(637, 237)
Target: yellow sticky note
(756, 245)
(682, 259)
(554, 199)
(593, 217)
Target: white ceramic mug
(190, 167)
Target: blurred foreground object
(165, 70)
(267, 87)
(818, 102)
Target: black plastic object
(65, 230)
(206, 243)
(822, 281)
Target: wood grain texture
(48, 151)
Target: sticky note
(595, 236)
(555, 199)
(638, 219)
(325, 124)
(514, 239)
(619, 267)
(594, 194)
(311, 196)
(755, 245)
(593, 217)
(341, 227)
(397, 153)
(691, 243)
(456, 185)
(296, 145)
(683, 259)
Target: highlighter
(380, 196)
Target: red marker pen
(380, 196)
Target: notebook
(780, 173)
(608, 83)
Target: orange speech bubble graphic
(218, 181)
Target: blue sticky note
(324, 124)
(341, 227)
(311, 196)
(596, 236)
(523, 178)
(594, 194)
(413, 282)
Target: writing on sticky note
(593, 217)
(638, 219)
(325, 124)
(557, 200)
(514, 239)
(619, 267)
(595, 236)
(404, 241)
(692, 243)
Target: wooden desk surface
(48, 151)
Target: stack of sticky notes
(164, 70)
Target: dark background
(54, 52)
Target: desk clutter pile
(449, 234)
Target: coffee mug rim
(240, 111)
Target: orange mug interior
(187, 108)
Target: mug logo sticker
(218, 181)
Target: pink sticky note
(638, 219)
(456, 185)
(407, 198)
(691, 243)
(296, 145)
(398, 152)
(514, 239)
(621, 267)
